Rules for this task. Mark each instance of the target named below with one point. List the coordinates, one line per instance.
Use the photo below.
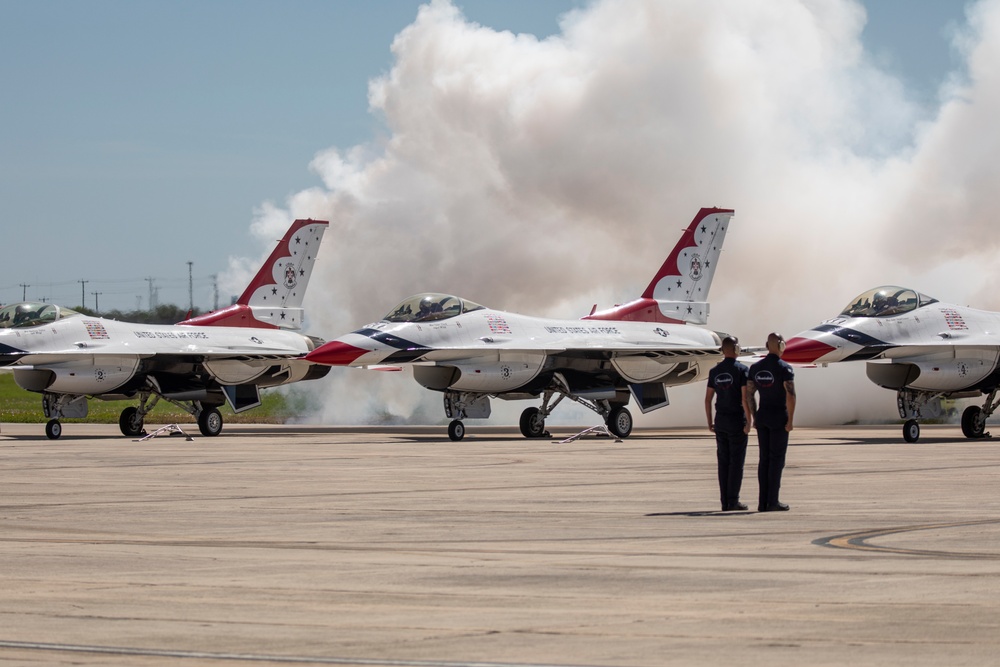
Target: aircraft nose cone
(805, 350)
(335, 353)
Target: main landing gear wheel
(210, 422)
(53, 429)
(532, 423)
(911, 430)
(973, 422)
(130, 422)
(620, 422)
(456, 430)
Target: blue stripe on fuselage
(871, 347)
(408, 350)
(9, 355)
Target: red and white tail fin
(679, 290)
(273, 299)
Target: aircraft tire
(620, 422)
(456, 430)
(911, 430)
(130, 422)
(53, 429)
(532, 423)
(973, 425)
(210, 423)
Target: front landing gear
(53, 429)
(909, 402)
(456, 430)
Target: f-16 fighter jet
(472, 353)
(198, 365)
(922, 349)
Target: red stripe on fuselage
(335, 353)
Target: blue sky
(136, 136)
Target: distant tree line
(166, 313)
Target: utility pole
(190, 288)
(83, 293)
(24, 292)
(97, 303)
(152, 301)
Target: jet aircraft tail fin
(678, 292)
(273, 299)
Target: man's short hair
(729, 344)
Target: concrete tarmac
(308, 545)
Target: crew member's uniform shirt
(727, 379)
(769, 375)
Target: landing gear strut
(974, 417)
(909, 403)
(459, 405)
(132, 418)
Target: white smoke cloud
(543, 176)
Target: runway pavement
(301, 545)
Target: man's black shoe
(735, 507)
(780, 507)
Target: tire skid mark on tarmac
(263, 658)
(858, 541)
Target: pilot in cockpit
(882, 303)
(22, 314)
(425, 309)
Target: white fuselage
(489, 351)
(936, 348)
(94, 356)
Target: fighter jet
(198, 365)
(921, 348)
(471, 353)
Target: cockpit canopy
(885, 301)
(429, 307)
(28, 314)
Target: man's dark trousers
(773, 444)
(731, 451)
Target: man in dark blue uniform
(774, 379)
(727, 382)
